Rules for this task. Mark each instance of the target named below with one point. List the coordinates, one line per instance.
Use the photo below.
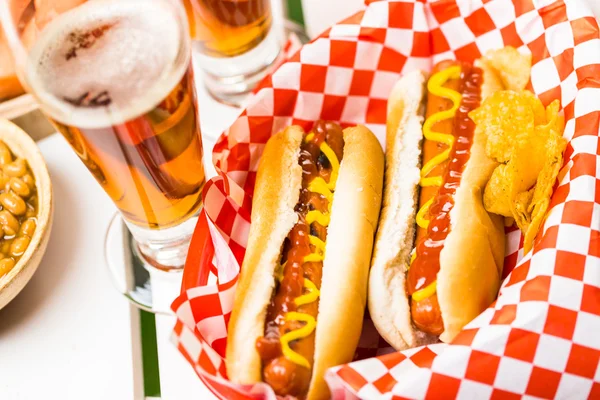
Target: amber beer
(227, 28)
(119, 86)
(151, 166)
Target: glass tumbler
(235, 42)
(115, 78)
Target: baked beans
(5, 154)
(18, 208)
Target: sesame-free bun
(472, 258)
(388, 303)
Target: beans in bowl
(18, 208)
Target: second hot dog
(457, 88)
(427, 281)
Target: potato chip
(539, 112)
(513, 67)
(555, 122)
(534, 226)
(519, 209)
(496, 198)
(540, 201)
(527, 161)
(526, 139)
(505, 116)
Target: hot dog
(438, 254)
(315, 209)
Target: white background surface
(69, 334)
(320, 15)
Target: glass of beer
(115, 78)
(235, 42)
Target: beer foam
(107, 61)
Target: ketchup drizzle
(285, 377)
(423, 270)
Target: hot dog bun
(472, 257)
(388, 303)
(343, 293)
(275, 195)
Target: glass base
(166, 248)
(149, 287)
(230, 79)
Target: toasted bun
(388, 303)
(472, 257)
(354, 215)
(276, 193)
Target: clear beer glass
(115, 79)
(235, 42)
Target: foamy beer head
(108, 61)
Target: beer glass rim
(21, 59)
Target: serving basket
(541, 338)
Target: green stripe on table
(149, 354)
(294, 10)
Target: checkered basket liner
(541, 338)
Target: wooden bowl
(22, 145)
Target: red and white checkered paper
(541, 338)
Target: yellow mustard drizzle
(311, 295)
(314, 257)
(435, 86)
(318, 243)
(426, 292)
(335, 164)
(317, 216)
(317, 185)
(303, 332)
